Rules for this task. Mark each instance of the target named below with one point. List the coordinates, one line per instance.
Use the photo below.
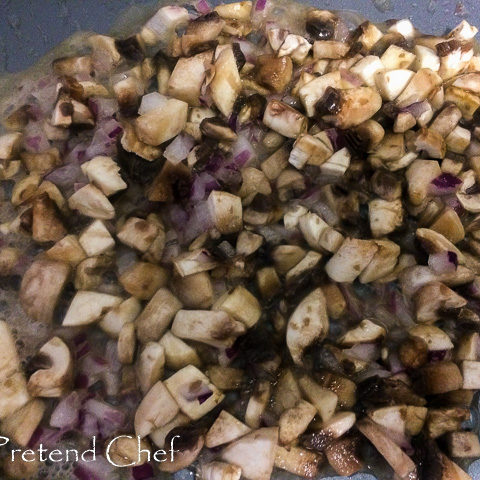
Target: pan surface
(31, 28)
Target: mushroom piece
(463, 445)
(159, 435)
(308, 149)
(194, 262)
(434, 297)
(56, 378)
(435, 338)
(104, 172)
(220, 470)
(308, 263)
(241, 305)
(150, 365)
(19, 469)
(298, 461)
(68, 249)
(226, 84)
(401, 463)
(177, 353)
(351, 259)
(143, 279)
(343, 455)
(21, 424)
(157, 315)
(226, 211)
(88, 307)
(46, 224)
(467, 102)
(193, 391)
(449, 225)
(419, 177)
(194, 291)
(89, 273)
(157, 408)
(217, 129)
(205, 326)
(9, 145)
(126, 344)
(329, 49)
(284, 119)
(274, 72)
(254, 453)
(131, 143)
(162, 123)
(318, 234)
(405, 419)
(324, 400)
(365, 332)
(470, 372)
(331, 430)
(444, 420)
(114, 320)
(41, 287)
(441, 377)
(383, 262)
(294, 421)
(91, 202)
(161, 27)
(226, 378)
(385, 216)
(13, 393)
(308, 324)
(96, 239)
(419, 87)
(186, 456)
(225, 429)
(187, 77)
(357, 105)
(258, 403)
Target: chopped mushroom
(213, 328)
(41, 288)
(88, 307)
(401, 463)
(193, 391)
(157, 315)
(284, 119)
(254, 453)
(55, 377)
(157, 408)
(308, 323)
(225, 429)
(90, 201)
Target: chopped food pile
(254, 234)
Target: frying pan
(30, 28)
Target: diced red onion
(100, 469)
(367, 352)
(109, 418)
(437, 355)
(202, 185)
(65, 177)
(203, 7)
(46, 436)
(67, 413)
(151, 101)
(336, 138)
(443, 262)
(417, 108)
(200, 392)
(35, 139)
(260, 5)
(351, 77)
(103, 108)
(445, 184)
(179, 148)
(143, 472)
(354, 305)
(453, 202)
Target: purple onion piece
(437, 355)
(446, 181)
(142, 472)
(204, 397)
(453, 258)
(260, 5)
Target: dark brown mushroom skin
(274, 72)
